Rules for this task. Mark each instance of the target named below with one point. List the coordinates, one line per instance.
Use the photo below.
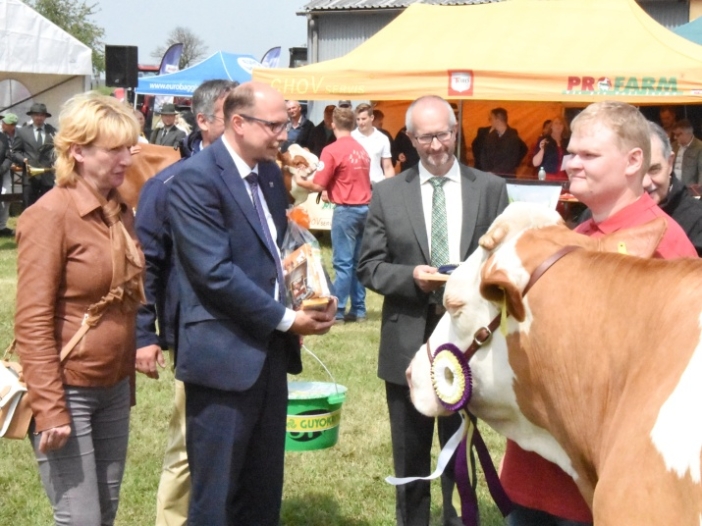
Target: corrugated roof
(342, 5)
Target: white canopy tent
(38, 60)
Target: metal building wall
(338, 34)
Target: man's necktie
(252, 179)
(40, 136)
(439, 230)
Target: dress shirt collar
(243, 168)
(454, 173)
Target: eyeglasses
(429, 137)
(216, 118)
(274, 127)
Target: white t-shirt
(378, 147)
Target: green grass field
(343, 485)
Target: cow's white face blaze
(493, 397)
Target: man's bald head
(430, 104)
(255, 122)
(246, 97)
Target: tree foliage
(194, 48)
(73, 17)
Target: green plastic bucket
(314, 415)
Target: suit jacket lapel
(268, 182)
(470, 193)
(236, 185)
(412, 195)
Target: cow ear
(494, 236)
(496, 286)
(641, 241)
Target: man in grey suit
(170, 134)
(688, 154)
(439, 206)
(33, 145)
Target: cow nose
(408, 375)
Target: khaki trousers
(173, 497)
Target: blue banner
(170, 63)
(272, 58)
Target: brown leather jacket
(64, 265)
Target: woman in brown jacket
(79, 284)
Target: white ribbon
(443, 460)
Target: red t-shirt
(344, 171)
(529, 479)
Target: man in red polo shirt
(611, 151)
(344, 172)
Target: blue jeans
(348, 223)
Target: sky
(235, 26)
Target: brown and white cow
(297, 161)
(147, 161)
(599, 369)
(150, 159)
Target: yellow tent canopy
(522, 50)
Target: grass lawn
(342, 485)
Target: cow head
(297, 162)
(493, 277)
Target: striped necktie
(439, 224)
(439, 231)
(252, 179)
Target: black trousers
(412, 436)
(32, 189)
(522, 516)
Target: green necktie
(439, 232)
(439, 224)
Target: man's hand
(147, 358)
(325, 197)
(426, 285)
(314, 321)
(54, 438)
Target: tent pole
(459, 133)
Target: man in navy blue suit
(237, 339)
(157, 317)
